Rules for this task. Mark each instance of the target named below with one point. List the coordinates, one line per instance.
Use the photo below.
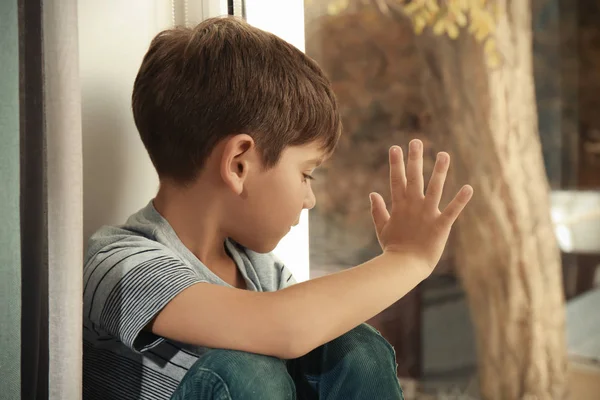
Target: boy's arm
(290, 322)
(293, 321)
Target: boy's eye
(308, 177)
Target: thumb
(379, 212)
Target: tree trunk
(505, 248)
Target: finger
(435, 188)
(397, 174)
(379, 212)
(456, 206)
(414, 170)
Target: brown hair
(197, 86)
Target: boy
(185, 300)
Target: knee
(363, 355)
(240, 375)
(364, 347)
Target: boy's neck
(196, 221)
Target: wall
(113, 38)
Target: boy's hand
(416, 227)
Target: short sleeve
(127, 283)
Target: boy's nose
(310, 200)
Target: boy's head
(235, 96)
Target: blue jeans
(360, 364)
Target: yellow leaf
(432, 5)
(452, 7)
(463, 4)
(439, 27)
(475, 14)
(420, 24)
(481, 34)
(413, 6)
(474, 27)
(493, 60)
(489, 46)
(452, 31)
(427, 14)
(461, 18)
(429, 17)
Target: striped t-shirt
(131, 272)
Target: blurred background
(381, 56)
(510, 88)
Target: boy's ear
(238, 157)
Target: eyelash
(308, 177)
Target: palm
(416, 224)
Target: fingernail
(415, 145)
(395, 149)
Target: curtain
(41, 200)
(10, 255)
(33, 226)
(62, 99)
(41, 196)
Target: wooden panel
(400, 324)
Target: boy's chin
(261, 247)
